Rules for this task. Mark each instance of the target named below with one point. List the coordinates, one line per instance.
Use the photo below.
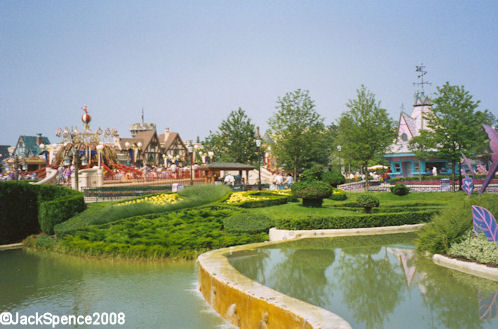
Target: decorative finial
(86, 118)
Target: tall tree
(298, 132)
(365, 131)
(422, 149)
(235, 139)
(455, 125)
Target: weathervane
(421, 73)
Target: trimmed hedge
(56, 211)
(27, 208)
(247, 223)
(356, 221)
(18, 211)
(338, 195)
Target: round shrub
(314, 173)
(247, 223)
(312, 192)
(338, 195)
(334, 178)
(368, 202)
(400, 189)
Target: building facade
(402, 160)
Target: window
(404, 137)
(397, 167)
(415, 167)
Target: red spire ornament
(86, 118)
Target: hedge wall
(355, 221)
(26, 208)
(18, 211)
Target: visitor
(289, 181)
(434, 171)
(229, 180)
(279, 180)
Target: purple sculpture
(493, 145)
(469, 166)
(468, 185)
(485, 222)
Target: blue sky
(189, 63)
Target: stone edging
(11, 246)
(480, 270)
(248, 304)
(283, 235)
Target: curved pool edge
(249, 304)
(285, 235)
(11, 246)
(480, 270)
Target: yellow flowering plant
(157, 199)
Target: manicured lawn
(339, 208)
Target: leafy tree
(419, 145)
(298, 132)
(365, 131)
(235, 139)
(455, 125)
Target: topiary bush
(312, 174)
(247, 223)
(334, 178)
(368, 202)
(312, 192)
(400, 189)
(338, 195)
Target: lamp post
(100, 147)
(191, 153)
(16, 167)
(258, 144)
(339, 148)
(43, 147)
(139, 147)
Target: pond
(373, 282)
(151, 295)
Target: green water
(149, 295)
(374, 282)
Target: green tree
(455, 125)
(235, 139)
(422, 150)
(365, 131)
(298, 132)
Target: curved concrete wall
(248, 304)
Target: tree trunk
(453, 175)
(295, 168)
(366, 177)
(420, 170)
(460, 165)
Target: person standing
(289, 181)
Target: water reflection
(152, 295)
(374, 282)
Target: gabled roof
(145, 137)
(410, 123)
(30, 144)
(167, 140)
